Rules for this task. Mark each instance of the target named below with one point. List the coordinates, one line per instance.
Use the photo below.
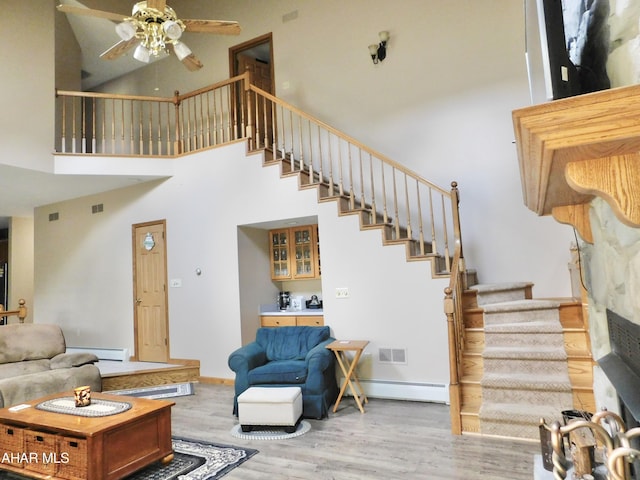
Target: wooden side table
(339, 348)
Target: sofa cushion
(290, 343)
(282, 371)
(68, 360)
(16, 369)
(30, 341)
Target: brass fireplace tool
(610, 436)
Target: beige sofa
(33, 363)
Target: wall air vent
(392, 355)
(97, 208)
(54, 216)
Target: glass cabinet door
(304, 251)
(280, 263)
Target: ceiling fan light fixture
(172, 29)
(182, 51)
(141, 54)
(125, 30)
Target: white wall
(440, 103)
(84, 261)
(26, 126)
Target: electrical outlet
(342, 292)
(175, 282)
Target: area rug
(270, 433)
(193, 460)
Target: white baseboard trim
(421, 392)
(114, 354)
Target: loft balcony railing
(408, 208)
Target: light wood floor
(392, 440)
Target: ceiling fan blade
(116, 17)
(119, 49)
(192, 63)
(157, 4)
(222, 27)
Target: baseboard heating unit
(393, 390)
(114, 354)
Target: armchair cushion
(289, 343)
(281, 371)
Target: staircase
(524, 359)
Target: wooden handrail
(347, 138)
(20, 312)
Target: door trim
(134, 245)
(236, 49)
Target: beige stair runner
(525, 364)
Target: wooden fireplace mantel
(573, 149)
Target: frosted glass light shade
(172, 29)
(125, 30)
(182, 51)
(141, 54)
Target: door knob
(138, 301)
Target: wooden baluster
(104, 127)
(93, 125)
(311, 157)
(420, 220)
(73, 125)
(374, 210)
(232, 123)
(159, 128)
(140, 129)
(445, 232)
(302, 159)
(113, 125)
(265, 116)
(168, 129)
(385, 210)
(363, 202)
(434, 244)
(395, 204)
(132, 135)
(321, 158)
(352, 197)
(63, 143)
(202, 122)
(408, 204)
(291, 153)
(122, 127)
(83, 147)
(274, 127)
(341, 187)
(208, 120)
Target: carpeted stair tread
(519, 413)
(487, 293)
(520, 353)
(548, 382)
(537, 326)
(520, 306)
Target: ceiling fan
(153, 28)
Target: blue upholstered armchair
(287, 357)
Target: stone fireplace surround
(611, 275)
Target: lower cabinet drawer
(310, 320)
(277, 321)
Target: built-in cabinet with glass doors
(295, 253)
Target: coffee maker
(284, 300)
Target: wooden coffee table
(42, 444)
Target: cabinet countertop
(293, 313)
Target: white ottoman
(265, 406)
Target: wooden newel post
(22, 310)
(454, 381)
(178, 148)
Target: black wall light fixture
(379, 52)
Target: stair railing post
(454, 380)
(250, 131)
(177, 145)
